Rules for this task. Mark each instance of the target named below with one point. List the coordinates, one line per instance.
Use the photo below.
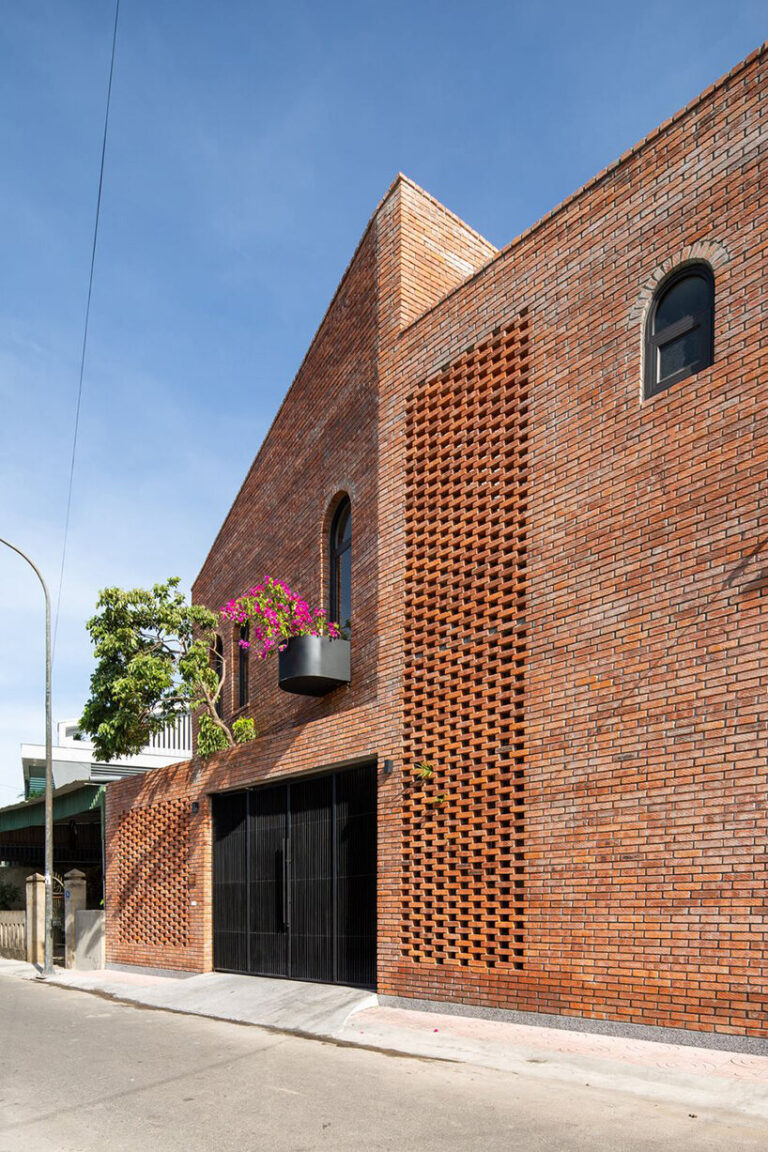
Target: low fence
(13, 935)
(89, 939)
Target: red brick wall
(645, 822)
(643, 750)
(322, 442)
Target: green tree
(154, 660)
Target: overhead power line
(85, 330)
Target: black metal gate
(294, 879)
(57, 919)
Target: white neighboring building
(73, 757)
(78, 802)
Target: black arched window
(679, 335)
(218, 667)
(242, 669)
(340, 567)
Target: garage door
(294, 879)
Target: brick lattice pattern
(152, 852)
(465, 645)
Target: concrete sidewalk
(705, 1080)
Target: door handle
(286, 883)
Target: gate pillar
(74, 902)
(36, 919)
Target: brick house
(554, 457)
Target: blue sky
(249, 144)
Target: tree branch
(210, 707)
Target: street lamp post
(48, 954)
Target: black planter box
(313, 665)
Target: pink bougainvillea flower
(275, 614)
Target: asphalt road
(79, 1073)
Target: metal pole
(48, 954)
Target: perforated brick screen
(152, 849)
(463, 811)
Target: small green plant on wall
(211, 738)
(425, 771)
(244, 730)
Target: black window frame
(218, 667)
(655, 341)
(334, 555)
(242, 668)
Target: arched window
(340, 567)
(679, 335)
(242, 667)
(218, 667)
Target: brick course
(601, 850)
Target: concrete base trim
(719, 1040)
(143, 970)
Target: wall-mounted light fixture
(388, 767)
(195, 807)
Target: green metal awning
(68, 801)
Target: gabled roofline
(402, 179)
(497, 254)
(298, 372)
(641, 144)
(399, 179)
(601, 176)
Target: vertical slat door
(268, 877)
(230, 882)
(294, 879)
(311, 872)
(355, 877)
